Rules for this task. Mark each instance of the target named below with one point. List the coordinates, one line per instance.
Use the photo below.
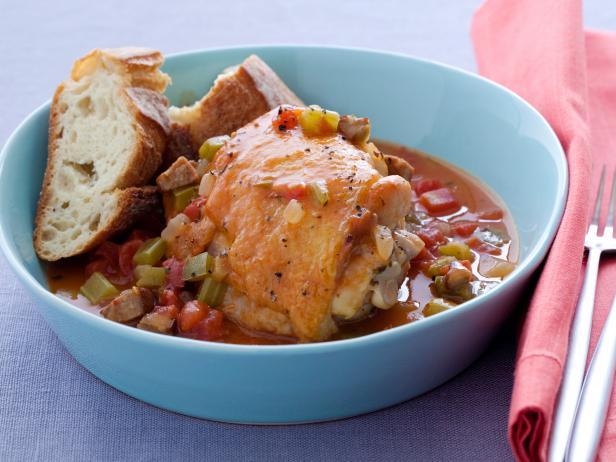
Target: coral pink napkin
(539, 49)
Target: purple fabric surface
(53, 409)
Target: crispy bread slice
(239, 95)
(107, 130)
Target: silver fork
(582, 323)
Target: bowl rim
(524, 268)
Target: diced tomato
(105, 260)
(192, 312)
(423, 260)
(170, 311)
(423, 254)
(193, 210)
(126, 254)
(481, 246)
(291, 190)
(200, 322)
(209, 328)
(107, 251)
(174, 272)
(463, 228)
(169, 297)
(425, 185)
(439, 200)
(494, 214)
(467, 264)
(287, 120)
(432, 236)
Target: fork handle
(595, 397)
(576, 360)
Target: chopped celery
(440, 286)
(316, 121)
(456, 249)
(211, 146)
(98, 288)
(150, 276)
(440, 266)
(150, 252)
(457, 277)
(211, 292)
(319, 192)
(198, 267)
(435, 306)
(183, 196)
(140, 270)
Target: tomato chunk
(287, 120)
(170, 297)
(482, 246)
(463, 228)
(425, 185)
(432, 236)
(126, 254)
(197, 320)
(193, 210)
(192, 312)
(170, 311)
(439, 200)
(105, 260)
(494, 214)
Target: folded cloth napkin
(539, 49)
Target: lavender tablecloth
(53, 409)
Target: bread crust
(142, 82)
(236, 98)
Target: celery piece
(438, 267)
(183, 196)
(98, 288)
(150, 252)
(456, 249)
(440, 286)
(211, 146)
(435, 306)
(211, 292)
(319, 192)
(151, 277)
(198, 267)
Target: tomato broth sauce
(478, 206)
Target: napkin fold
(540, 50)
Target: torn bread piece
(239, 95)
(108, 129)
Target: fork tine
(609, 223)
(597, 213)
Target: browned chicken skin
(297, 267)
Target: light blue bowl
(463, 118)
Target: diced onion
(174, 226)
(202, 167)
(383, 241)
(207, 184)
(293, 212)
(409, 242)
(385, 294)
